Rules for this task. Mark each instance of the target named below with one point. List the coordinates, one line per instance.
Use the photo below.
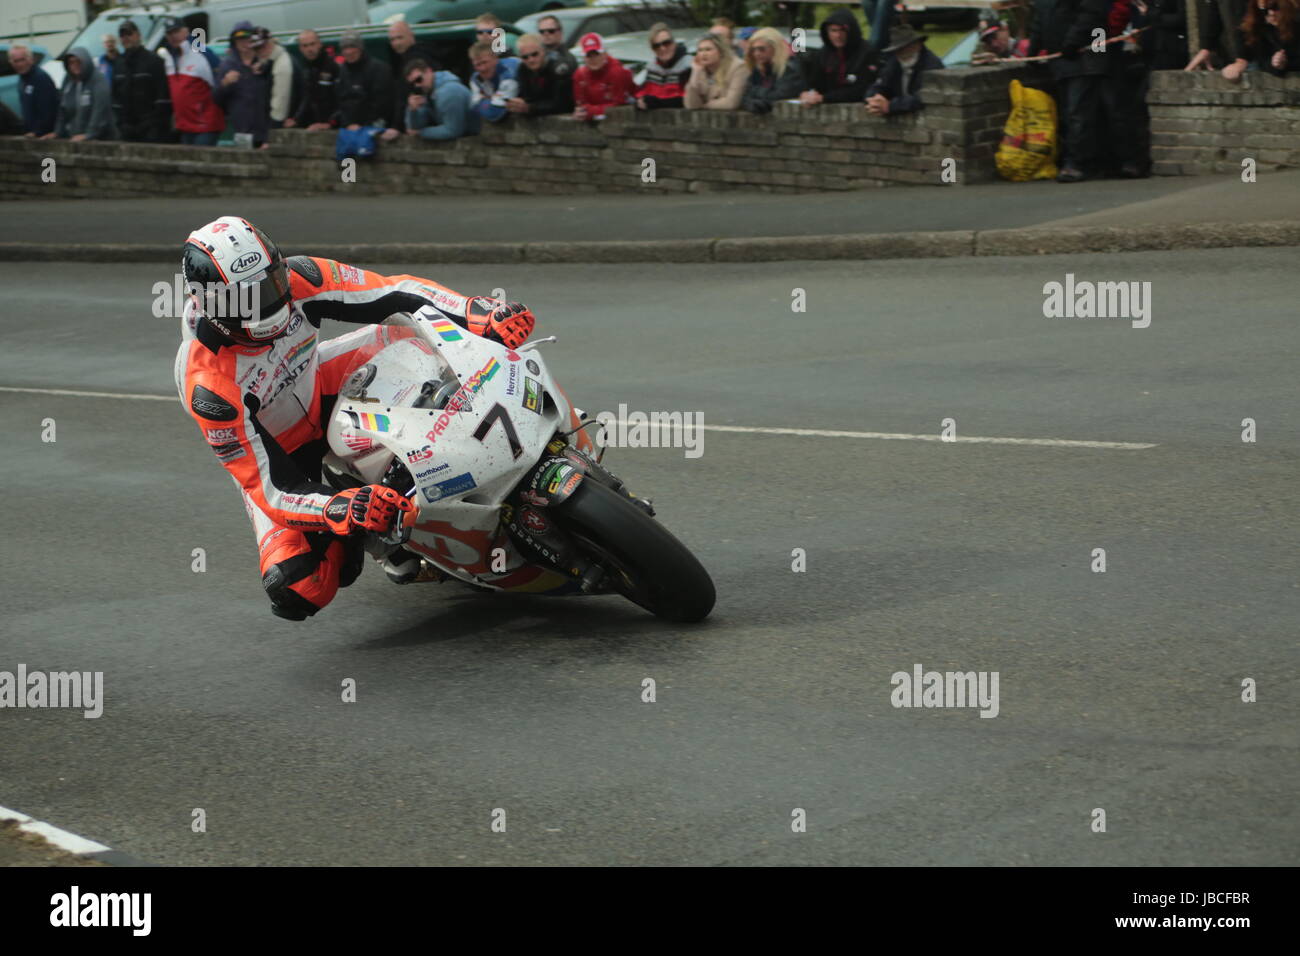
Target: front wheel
(647, 565)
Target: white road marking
(742, 429)
(897, 436)
(67, 391)
(60, 838)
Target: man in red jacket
(190, 80)
(601, 82)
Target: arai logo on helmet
(245, 263)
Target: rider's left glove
(369, 508)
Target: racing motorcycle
(509, 488)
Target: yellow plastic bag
(1029, 145)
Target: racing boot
(403, 567)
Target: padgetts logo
(74, 909)
(1098, 300)
(76, 689)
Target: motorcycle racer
(262, 386)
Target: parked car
(433, 11)
(610, 20)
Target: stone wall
(793, 150)
(1201, 123)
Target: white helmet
(240, 278)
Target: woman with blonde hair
(717, 77)
(771, 74)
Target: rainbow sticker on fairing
(448, 330)
(370, 422)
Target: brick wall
(1201, 123)
(792, 150)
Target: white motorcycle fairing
(468, 418)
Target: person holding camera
(243, 88)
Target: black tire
(651, 567)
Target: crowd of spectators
(183, 93)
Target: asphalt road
(1119, 691)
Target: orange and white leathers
(260, 407)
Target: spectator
(243, 87)
(487, 28)
(365, 86)
(773, 75)
(1220, 41)
(1081, 76)
(542, 90)
(109, 58)
(286, 84)
(601, 82)
(142, 105)
(898, 87)
(492, 83)
(320, 100)
(86, 110)
(557, 51)
(844, 67)
(191, 81)
(402, 43)
(1164, 45)
(666, 76)
(996, 44)
(447, 115)
(717, 78)
(37, 95)
(1270, 40)
(724, 29)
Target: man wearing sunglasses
(663, 84)
(553, 45)
(542, 90)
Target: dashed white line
(742, 429)
(80, 394)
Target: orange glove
(369, 508)
(509, 323)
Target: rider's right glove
(369, 508)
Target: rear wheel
(646, 564)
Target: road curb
(1033, 241)
(68, 842)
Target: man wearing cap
(243, 86)
(898, 88)
(286, 83)
(996, 44)
(601, 82)
(191, 80)
(142, 104)
(365, 86)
